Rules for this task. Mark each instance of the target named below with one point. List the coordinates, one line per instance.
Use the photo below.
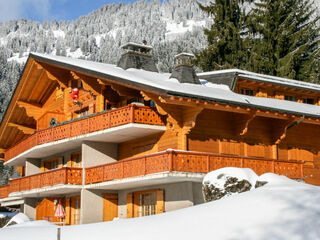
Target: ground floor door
(46, 209)
(73, 210)
(110, 206)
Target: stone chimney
(137, 56)
(183, 69)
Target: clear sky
(41, 10)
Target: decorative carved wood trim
(25, 129)
(33, 110)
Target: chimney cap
(184, 54)
(136, 47)
(183, 59)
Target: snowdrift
(281, 209)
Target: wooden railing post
(170, 160)
(132, 113)
(66, 177)
(208, 163)
(301, 171)
(273, 167)
(145, 165)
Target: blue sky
(41, 10)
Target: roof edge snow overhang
(160, 91)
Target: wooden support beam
(88, 83)
(243, 126)
(25, 129)
(54, 74)
(2, 150)
(33, 110)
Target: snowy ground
(282, 209)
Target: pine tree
(226, 43)
(285, 39)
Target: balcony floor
(113, 135)
(61, 189)
(148, 180)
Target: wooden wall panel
(147, 145)
(130, 205)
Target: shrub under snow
(229, 181)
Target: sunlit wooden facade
(128, 148)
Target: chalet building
(126, 141)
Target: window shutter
(130, 205)
(160, 201)
(67, 219)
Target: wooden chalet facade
(114, 141)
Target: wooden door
(75, 210)
(46, 209)
(110, 206)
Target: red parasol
(60, 211)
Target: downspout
(296, 123)
(291, 126)
(234, 81)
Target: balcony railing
(113, 118)
(180, 161)
(44, 179)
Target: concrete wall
(29, 207)
(91, 206)
(177, 196)
(98, 153)
(33, 166)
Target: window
(51, 164)
(76, 159)
(290, 98)
(83, 112)
(308, 100)
(248, 92)
(147, 204)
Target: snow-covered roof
(162, 84)
(263, 78)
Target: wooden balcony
(45, 179)
(105, 120)
(180, 161)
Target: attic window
(248, 92)
(290, 98)
(308, 100)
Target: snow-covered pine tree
(285, 39)
(227, 47)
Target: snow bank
(2, 215)
(18, 219)
(283, 209)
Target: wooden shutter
(110, 206)
(160, 201)
(130, 205)
(68, 211)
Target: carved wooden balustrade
(180, 161)
(113, 118)
(44, 179)
(4, 191)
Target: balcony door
(73, 210)
(145, 203)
